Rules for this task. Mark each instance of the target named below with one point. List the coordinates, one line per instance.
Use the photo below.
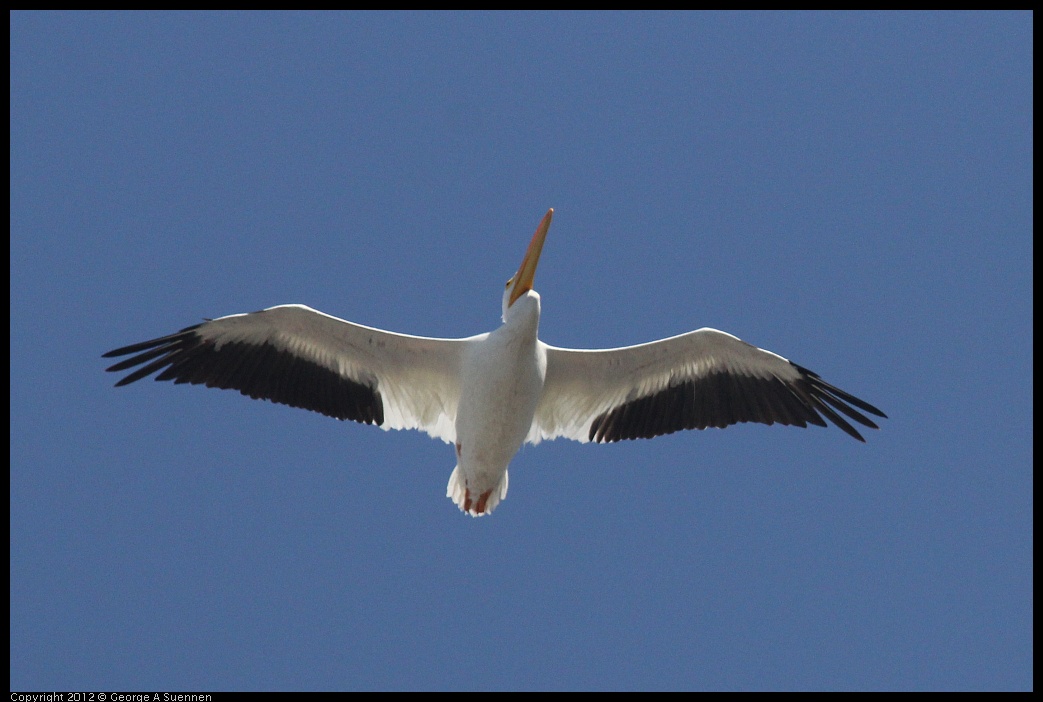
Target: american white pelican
(488, 394)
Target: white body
(501, 382)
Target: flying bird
(488, 394)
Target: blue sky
(850, 191)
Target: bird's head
(521, 282)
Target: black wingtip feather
(722, 399)
(260, 371)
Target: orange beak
(527, 271)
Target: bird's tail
(473, 504)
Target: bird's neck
(523, 317)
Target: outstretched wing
(298, 356)
(705, 378)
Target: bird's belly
(499, 394)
